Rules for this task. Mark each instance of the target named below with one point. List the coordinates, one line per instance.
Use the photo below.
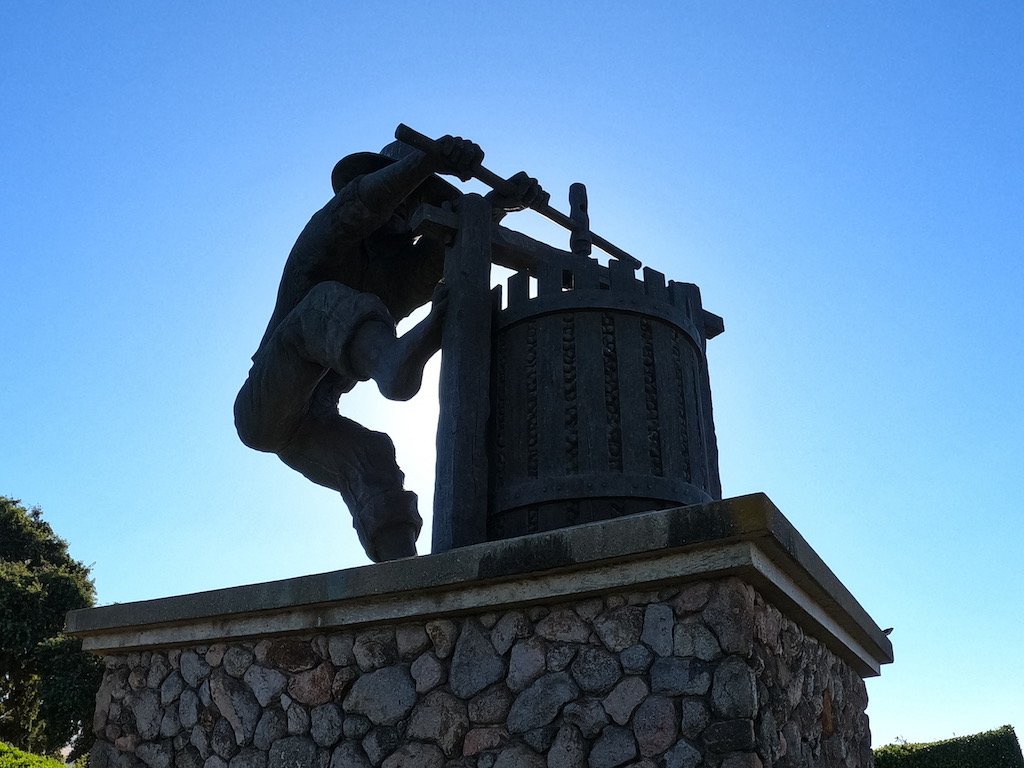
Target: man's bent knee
(254, 429)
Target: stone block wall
(699, 674)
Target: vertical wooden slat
(631, 393)
(462, 474)
(518, 289)
(654, 284)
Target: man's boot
(388, 525)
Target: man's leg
(396, 363)
(312, 339)
(360, 464)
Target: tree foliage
(47, 683)
(991, 749)
(15, 758)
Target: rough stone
(292, 752)
(170, 725)
(273, 725)
(481, 739)
(222, 740)
(194, 668)
(137, 679)
(384, 696)
(636, 659)
(349, 755)
(442, 633)
(237, 660)
(692, 598)
(595, 670)
(742, 760)
(128, 743)
(624, 699)
(657, 629)
(519, 756)
(680, 677)
(313, 686)
(343, 678)
(510, 627)
(730, 615)
(704, 706)
(201, 741)
(159, 669)
(588, 715)
(560, 655)
(614, 747)
(145, 706)
(526, 663)
(215, 654)
(104, 699)
(694, 716)
(682, 755)
(563, 625)
(290, 655)
(643, 598)
(734, 690)
(540, 739)
(298, 719)
(411, 640)
(159, 755)
(730, 736)
(692, 638)
(171, 688)
(356, 727)
(655, 725)
(237, 704)
(381, 742)
(249, 758)
(540, 704)
(428, 672)
(118, 683)
(188, 757)
(589, 609)
(620, 627)
(266, 684)
(375, 649)
(440, 718)
(339, 648)
(475, 665)
(569, 749)
(415, 756)
(491, 705)
(325, 724)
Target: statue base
(709, 635)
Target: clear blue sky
(843, 180)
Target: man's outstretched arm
(385, 189)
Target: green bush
(47, 683)
(992, 749)
(15, 758)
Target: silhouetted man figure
(355, 270)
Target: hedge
(15, 758)
(992, 749)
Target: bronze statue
(355, 270)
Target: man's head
(433, 190)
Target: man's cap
(359, 163)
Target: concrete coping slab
(745, 536)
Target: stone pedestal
(709, 635)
